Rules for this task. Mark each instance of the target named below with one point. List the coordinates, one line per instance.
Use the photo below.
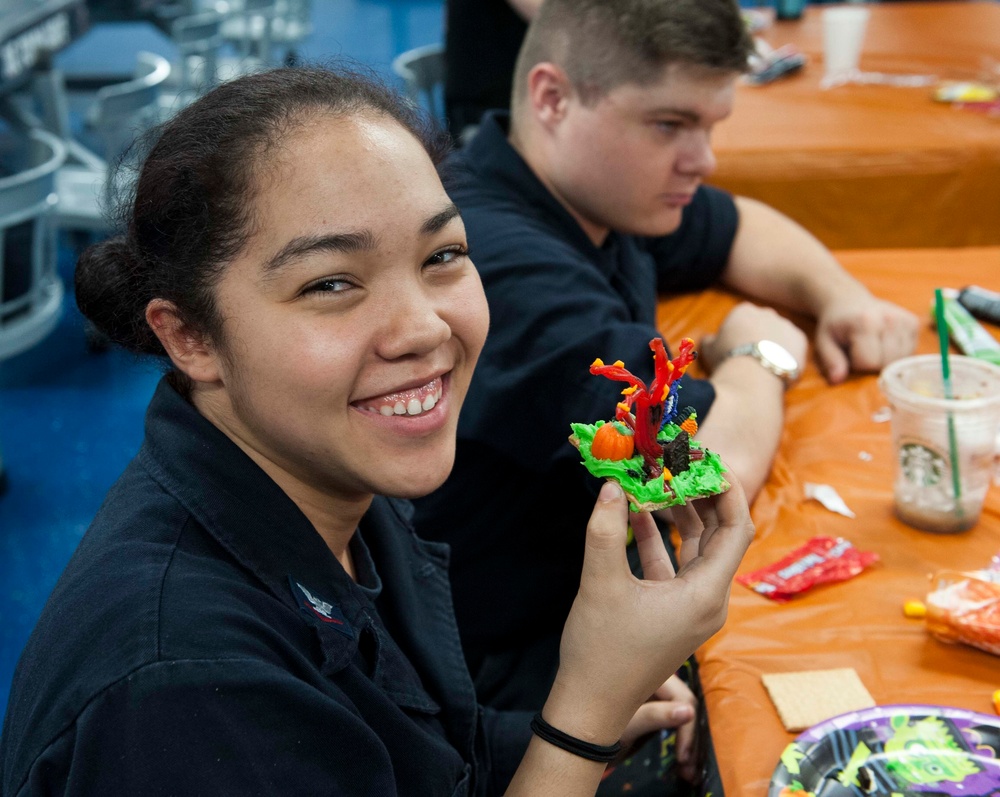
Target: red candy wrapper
(822, 560)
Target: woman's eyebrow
(439, 220)
(349, 242)
(344, 243)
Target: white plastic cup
(843, 35)
(926, 426)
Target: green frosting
(704, 477)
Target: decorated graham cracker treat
(648, 446)
(808, 697)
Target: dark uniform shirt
(204, 640)
(516, 505)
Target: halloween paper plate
(932, 751)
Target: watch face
(777, 355)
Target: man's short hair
(601, 44)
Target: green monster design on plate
(928, 751)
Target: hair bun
(112, 292)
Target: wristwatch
(773, 356)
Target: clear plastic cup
(843, 36)
(925, 428)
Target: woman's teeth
(409, 402)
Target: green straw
(942, 328)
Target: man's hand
(775, 261)
(862, 334)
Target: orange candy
(611, 442)
(690, 425)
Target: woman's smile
(405, 400)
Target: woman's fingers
(674, 688)
(607, 531)
(728, 510)
(656, 564)
(656, 715)
(728, 532)
(673, 706)
(680, 695)
(689, 527)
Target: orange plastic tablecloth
(858, 623)
(865, 166)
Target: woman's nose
(413, 324)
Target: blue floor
(70, 419)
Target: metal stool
(30, 289)
(120, 112)
(422, 71)
(31, 292)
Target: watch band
(742, 351)
(787, 374)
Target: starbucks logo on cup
(922, 465)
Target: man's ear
(189, 350)
(549, 92)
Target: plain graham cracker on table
(806, 698)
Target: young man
(580, 208)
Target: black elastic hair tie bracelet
(554, 736)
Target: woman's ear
(189, 350)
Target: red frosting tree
(642, 411)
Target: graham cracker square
(808, 697)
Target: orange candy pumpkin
(613, 441)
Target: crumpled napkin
(828, 497)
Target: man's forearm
(777, 261)
(745, 421)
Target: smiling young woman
(250, 611)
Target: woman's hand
(624, 636)
(673, 705)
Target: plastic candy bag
(965, 607)
(821, 560)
